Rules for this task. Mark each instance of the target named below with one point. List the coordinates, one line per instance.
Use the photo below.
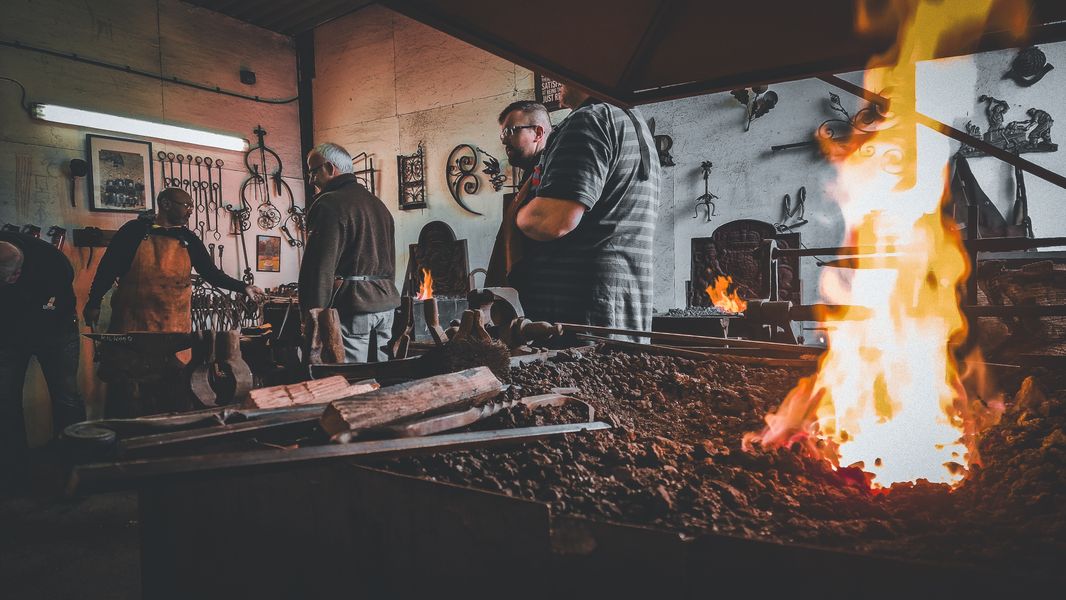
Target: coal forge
(674, 461)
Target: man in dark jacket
(37, 319)
(350, 259)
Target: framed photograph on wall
(120, 175)
(268, 253)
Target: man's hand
(91, 316)
(255, 294)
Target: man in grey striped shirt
(588, 257)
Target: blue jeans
(364, 334)
(58, 356)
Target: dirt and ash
(673, 461)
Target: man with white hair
(349, 262)
(37, 319)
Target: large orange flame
(723, 299)
(425, 291)
(888, 395)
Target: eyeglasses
(507, 132)
(311, 171)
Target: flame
(425, 291)
(888, 396)
(723, 299)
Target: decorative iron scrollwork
(707, 199)
(1028, 67)
(411, 169)
(461, 173)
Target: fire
(888, 396)
(425, 291)
(723, 299)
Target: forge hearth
(673, 463)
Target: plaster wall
(161, 36)
(385, 83)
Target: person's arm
(321, 256)
(545, 219)
(573, 174)
(205, 267)
(116, 261)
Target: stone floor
(53, 547)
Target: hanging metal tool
(217, 201)
(793, 211)
(268, 215)
(707, 199)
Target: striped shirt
(601, 272)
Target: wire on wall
(25, 107)
(158, 76)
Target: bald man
(37, 320)
(152, 259)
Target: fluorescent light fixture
(95, 120)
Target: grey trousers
(364, 334)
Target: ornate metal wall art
(363, 169)
(444, 256)
(663, 144)
(794, 211)
(411, 169)
(733, 250)
(461, 173)
(707, 199)
(1028, 67)
(757, 100)
(1028, 135)
(265, 166)
(850, 133)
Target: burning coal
(888, 396)
(724, 296)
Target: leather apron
(507, 250)
(156, 293)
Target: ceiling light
(95, 120)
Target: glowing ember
(888, 396)
(723, 299)
(425, 291)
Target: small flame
(723, 299)
(425, 291)
(889, 396)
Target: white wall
(158, 36)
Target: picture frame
(121, 178)
(546, 91)
(268, 253)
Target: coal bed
(673, 461)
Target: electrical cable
(25, 106)
(158, 76)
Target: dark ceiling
(639, 51)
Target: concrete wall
(164, 36)
(384, 83)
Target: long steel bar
(691, 339)
(991, 244)
(128, 473)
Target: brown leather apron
(507, 250)
(156, 293)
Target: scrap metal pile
(673, 461)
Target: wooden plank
(315, 391)
(422, 397)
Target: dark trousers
(58, 356)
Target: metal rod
(128, 473)
(1046, 310)
(691, 339)
(996, 244)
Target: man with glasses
(524, 129)
(590, 221)
(152, 259)
(350, 259)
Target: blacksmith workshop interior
(322, 297)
